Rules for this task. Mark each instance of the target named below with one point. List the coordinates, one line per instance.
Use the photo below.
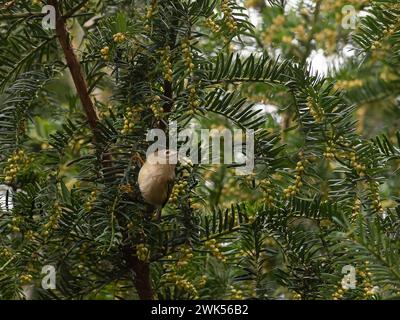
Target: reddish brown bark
(141, 269)
(142, 278)
(74, 67)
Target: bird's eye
(167, 152)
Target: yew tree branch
(75, 68)
(141, 269)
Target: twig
(9, 16)
(75, 9)
(311, 35)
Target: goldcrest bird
(156, 177)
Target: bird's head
(164, 157)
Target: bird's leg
(158, 215)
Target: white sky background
(318, 61)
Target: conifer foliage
(77, 101)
